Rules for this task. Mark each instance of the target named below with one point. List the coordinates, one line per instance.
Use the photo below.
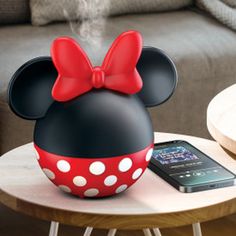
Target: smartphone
(188, 169)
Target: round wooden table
(150, 203)
(221, 118)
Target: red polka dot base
(95, 177)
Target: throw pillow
(46, 11)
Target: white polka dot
(49, 173)
(79, 181)
(121, 188)
(137, 173)
(149, 154)
(91, 192)
(64, 188)
(125, 164)
(37, 155)
(97, 168)
(63, 166)
(110, 180)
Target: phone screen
(171, 155)
(187, 165)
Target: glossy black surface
(100, 123)
(29, 91)
(159, 76)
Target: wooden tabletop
(221, 118)
(151, 202)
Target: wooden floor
(14, 224)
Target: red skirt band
(95, 177)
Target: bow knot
(77, 76)
(98, 77)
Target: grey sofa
(204, 52)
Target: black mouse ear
(29, 91)
(159, 76)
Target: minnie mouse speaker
(93, 135)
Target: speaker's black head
(100, 123)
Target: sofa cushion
(46, 11)
(14, 11)
(203, 50)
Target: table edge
(131, 221)
(223, 139)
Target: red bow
(76, 75)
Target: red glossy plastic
(94, 177)
(76, 75)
